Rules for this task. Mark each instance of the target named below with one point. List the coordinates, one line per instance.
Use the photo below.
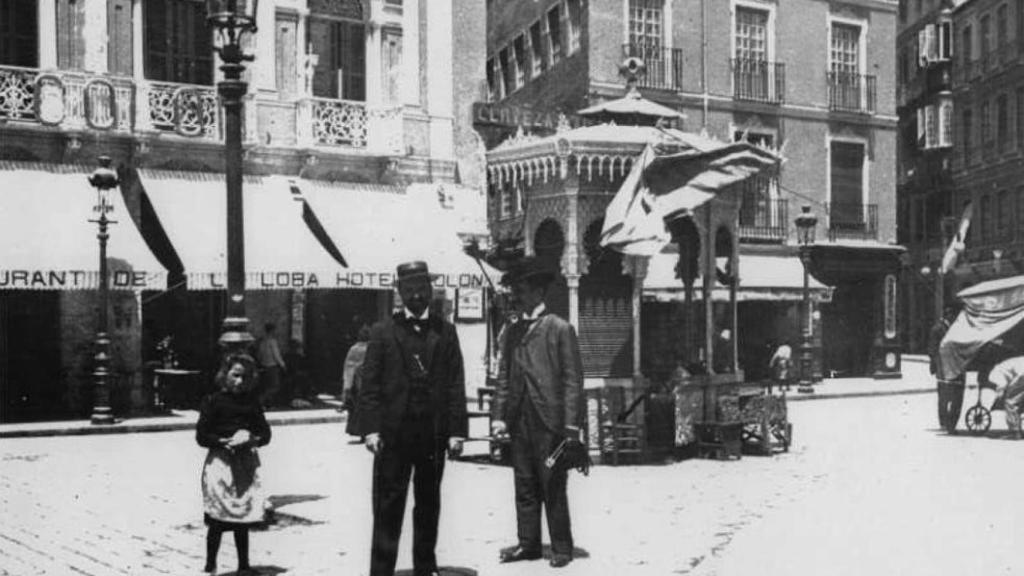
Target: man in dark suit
(412, 408)
(538, 402)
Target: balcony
(664, 66)
(77, 101)
(764, 221)
(852, 92)
(852, 221)
(758, 80)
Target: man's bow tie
(418, 324)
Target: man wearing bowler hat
(413, 408)
(538, 402)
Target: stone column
(573, 281)
(636, 266)
(47, 35)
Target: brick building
(811, 77)
(988, 104)
(357, 119)
(925, 188)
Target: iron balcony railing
(758, 80)
(764, 220)
(852, 221)
(664, 66)
(848, 92)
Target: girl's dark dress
(231, 483)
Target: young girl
(231, 424)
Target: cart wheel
(978, 419)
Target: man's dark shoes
(518, 554)
(560, 560)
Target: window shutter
(530, 57)
(933, 46)
(545, 38)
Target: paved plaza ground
(870, 487)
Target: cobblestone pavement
(130, 504)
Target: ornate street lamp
(103, 179)
(805, 225)
(233, 19)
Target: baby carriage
(987, 331)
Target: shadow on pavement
(279, 500)
(257, 571)
(444, 571)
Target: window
(986, 36)
(538, 56)
(847, 184)
(341, 70)
(1001, 23)
(946, 123)
(554, 35)
(646, 23)
(931, 136)
(1020, 212)
(965, 45)
(1002, 127)
(575, 25)
(927, 45)
(845, 53)
(756, 208)
(985, 227)
(70, 37)
(492, 83)
(1004, 216)
(986, 124)
(966, 129)
(519, 53)
(945, 40)
(179, 45)
(19, 27)
(508, 74)
(391, 61)
(1020, 117)
(751, 34)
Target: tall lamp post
(233, 19)
(103, 179)
(805, 225)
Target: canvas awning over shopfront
(284, 246)
(990, 310)
(377, 228)
(48, 241)
(772, 278)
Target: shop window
(538, 54)
(341, 67)
(19, 30)
(391, 62)
(178, 43)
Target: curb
(840, 395)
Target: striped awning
(47, 241)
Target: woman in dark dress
(232, 425)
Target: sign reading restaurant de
(24, 279)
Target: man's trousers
(420, 454)
(951, 399)
(538, 486)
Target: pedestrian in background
(352, 381)
(412, 407)
(950, 391)
(232, 425)
(268, 352)
(781, 365)
(1008, 377)
(538, 403)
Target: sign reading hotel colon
(79, 280)
(326, 280)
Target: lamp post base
(102, 417)
(805, 388)
(235, 337)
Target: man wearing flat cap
(413, 409)
(538, 402)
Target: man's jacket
(387, 379)
(540, 364)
